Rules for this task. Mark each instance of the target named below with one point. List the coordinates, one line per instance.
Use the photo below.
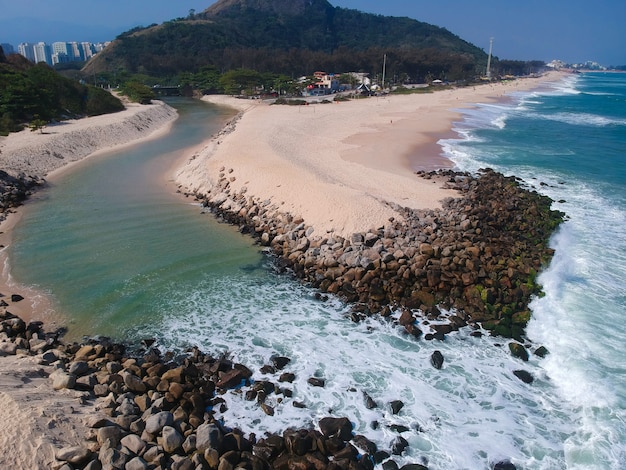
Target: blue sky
(570, 30)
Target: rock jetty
(478, 256)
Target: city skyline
(531, 30)
(56, 52)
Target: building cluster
(589, 65)
(327, 83)
(57, 52)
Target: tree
(207, 80)
(37, 124)
(236, 82)
(138, 92)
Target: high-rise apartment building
(42, 53)
(26, 49)
(58, 52)
(61, 53)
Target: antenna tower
(489, 59)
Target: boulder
(113, 434)
(232, 378)
(75, 455)
(171, 439)
(61, 380)
(365, 444)
(136, 463)
(156, 422)
(336, 427)
(369, 401)
(398, 445)
(504, 465)
(78, 368)
(396, 406)
(524, 376)
(316, 382)
(279, 362)
(518, 350)
(134, 383)
(134, 443)
(436, 359)
(208, 436)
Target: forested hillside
(291, 37)
(35, 93)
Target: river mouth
(107, 239)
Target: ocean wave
(567, 86)
(580, 317)
(598, 93)
(582, 119)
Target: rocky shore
(477, 257)
(153, 410)
(473, 261)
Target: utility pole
(384, 69)
(489, 59)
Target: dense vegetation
(36, 94)
(137, 92)
(293, 38)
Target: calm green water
(111, 240)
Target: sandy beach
(335, 165)
(338, 165)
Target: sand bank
(60, 144)
(338, 165)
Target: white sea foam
(579, 319)
(582, 119)
(468, 415)
(567, 86)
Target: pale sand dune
(36, 153)
(338, 165)
(37, 420)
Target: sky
(570, 30)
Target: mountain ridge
(291, 37)
(278, 7)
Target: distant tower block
(489, 59)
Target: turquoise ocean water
(122, 257)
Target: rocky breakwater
(153, 410)
(477, 257)
(14, 190)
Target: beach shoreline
(339, 165)
(364, 205)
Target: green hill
(291, 37)
(36, 93)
